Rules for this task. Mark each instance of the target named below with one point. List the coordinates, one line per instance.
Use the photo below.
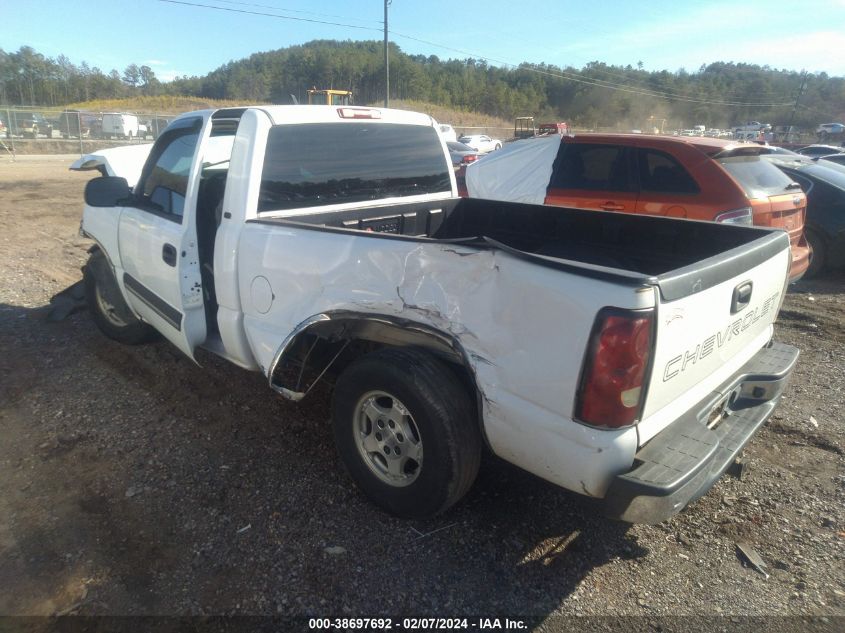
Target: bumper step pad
(683, 462)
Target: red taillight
(469, 158)
(612, 386)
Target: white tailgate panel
(700, 343)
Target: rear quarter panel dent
(524, 327)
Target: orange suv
(699, 178)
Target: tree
(147, 75)
(151, 85)
(132, 75)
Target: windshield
(757, 177)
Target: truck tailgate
(704, 337)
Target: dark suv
(74, 123)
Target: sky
(176, 39)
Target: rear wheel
(405, 429)
(107, 307)
(818, 253)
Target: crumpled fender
(126, 162)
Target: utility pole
(795, 107)
(386, 60)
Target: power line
(769, 94)
(529, 67)
(827, 115)
(271, 15)
(278, 8)
(592, 82)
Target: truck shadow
(829, 282)
(141, 483)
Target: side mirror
(106, 191)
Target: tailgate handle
(742, 296)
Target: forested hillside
(717, 95)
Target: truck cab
(329, 97)
(523, 127)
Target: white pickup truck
(628, 358)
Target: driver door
(157, 238)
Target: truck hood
(126, 162)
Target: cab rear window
(757, 177)
(319, 164)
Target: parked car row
(27, 125)
(78, 124)
(478, 143)
(700, 178)
(481, 142)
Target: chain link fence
(36, 130)
(25, 129)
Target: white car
(830, 128)
(481, 142)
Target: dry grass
(165, 104)
(169, 104)
(456, 118)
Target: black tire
(818, 253)
(115, 321)
(441, 411)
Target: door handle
(168, 254)
(612, 206)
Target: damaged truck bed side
(627, 358)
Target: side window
(595, 167)
(660, 172)
(164, 183)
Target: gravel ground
(134, 482)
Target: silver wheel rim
(388, 439)
(107, 309)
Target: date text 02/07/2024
(416, 624)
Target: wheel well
(327, 344)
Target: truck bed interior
(647, 245)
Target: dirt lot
(134, 482)
(43, 146)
